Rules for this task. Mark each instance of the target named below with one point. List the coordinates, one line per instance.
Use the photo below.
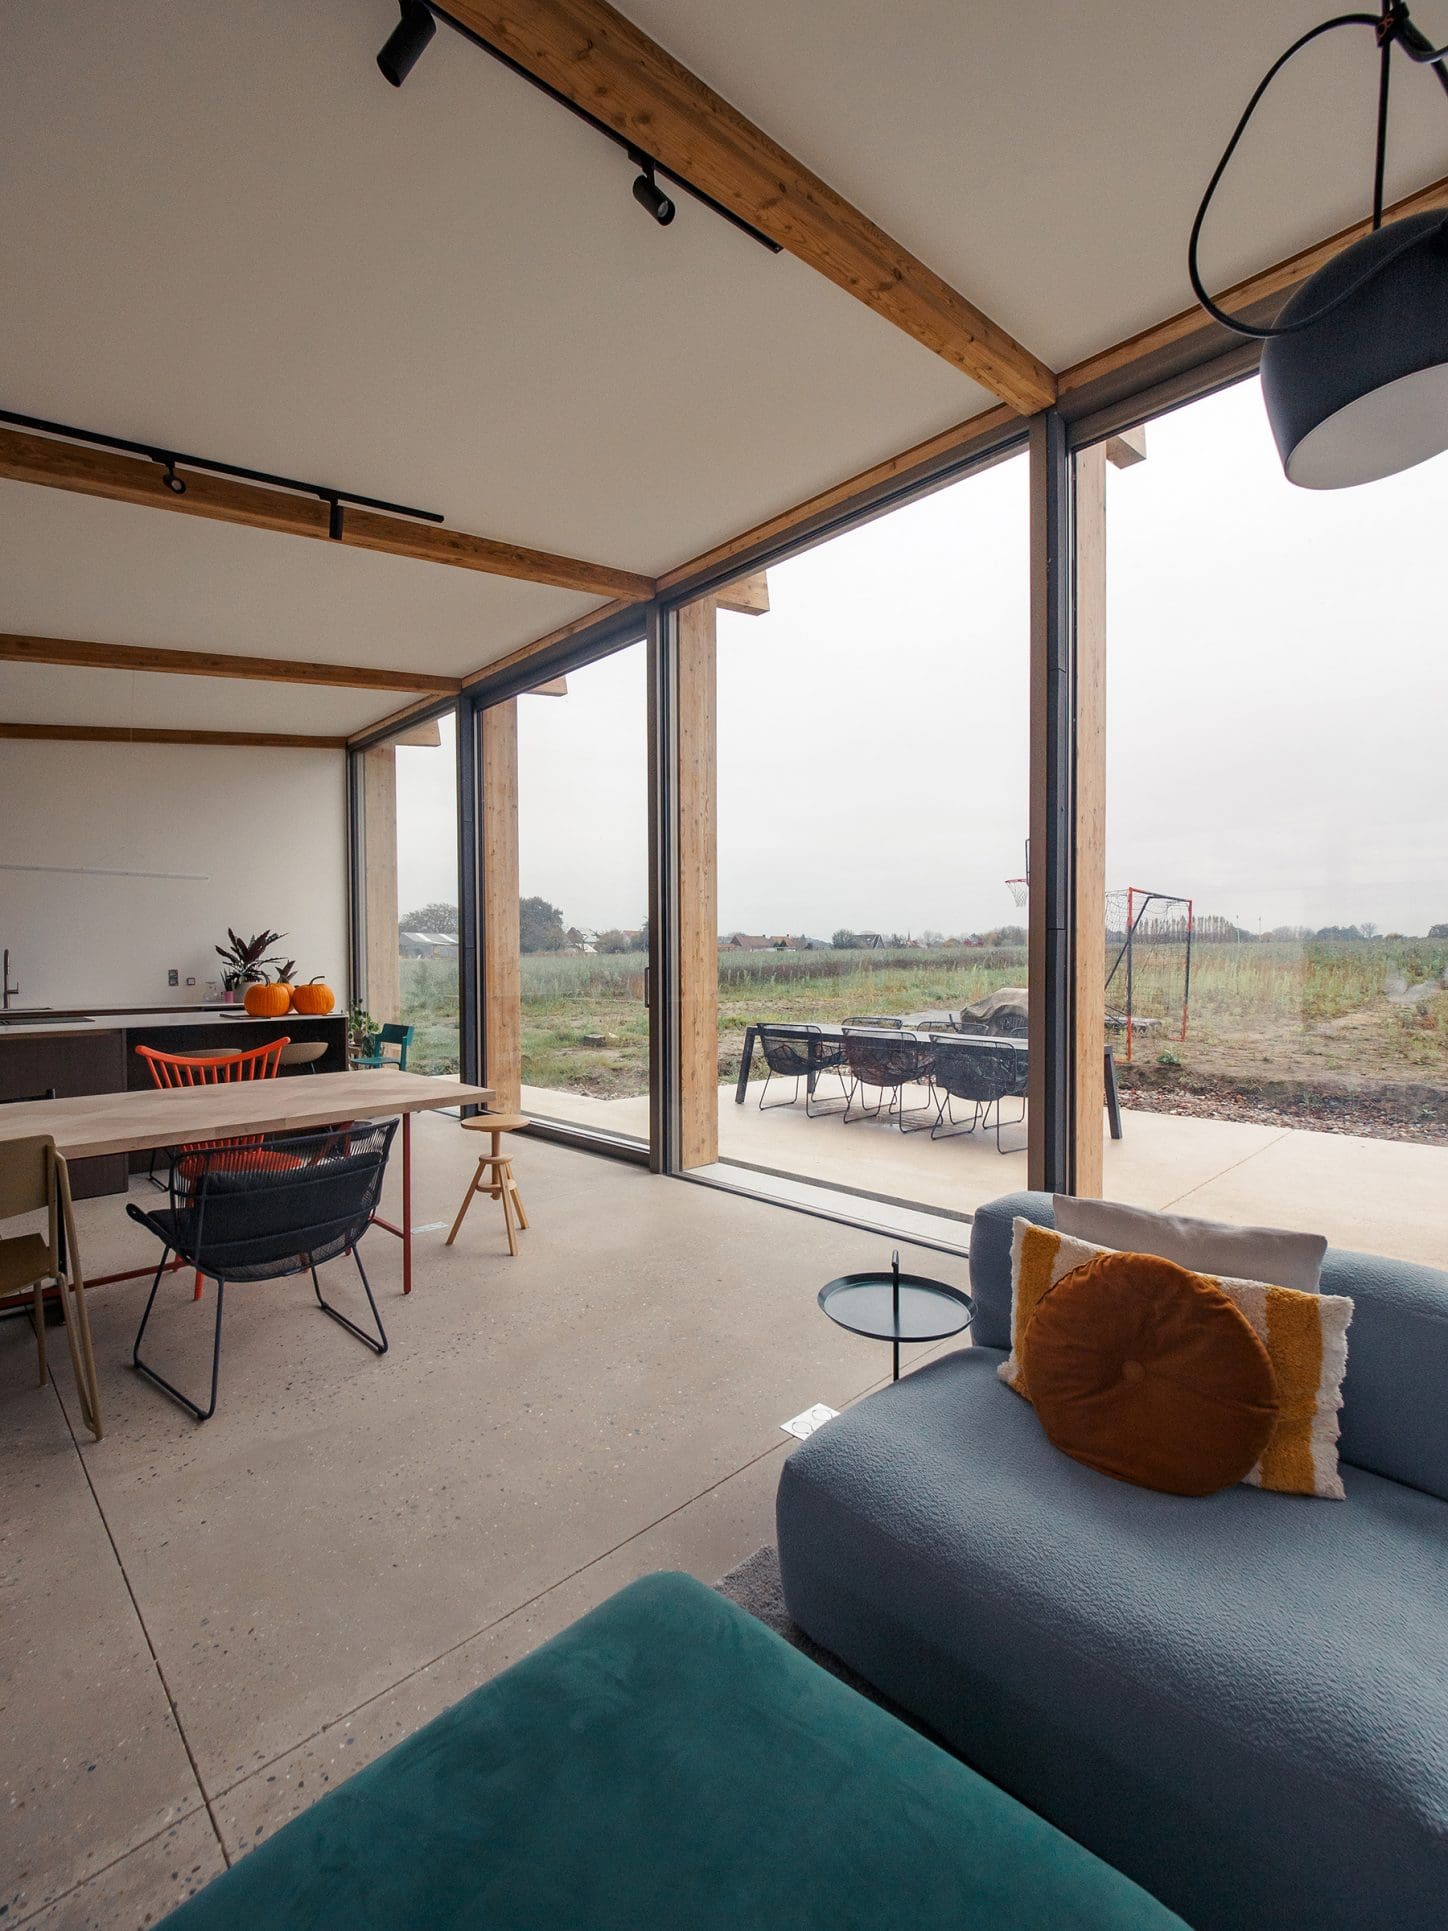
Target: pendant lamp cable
(1393, 28)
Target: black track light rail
(639, 156)
(335, 499)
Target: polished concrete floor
(205, 1627)
(1383, 1195)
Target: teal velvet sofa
(1241, 1701)
(668, 1761)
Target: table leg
(896, 1375)
(407, 1203)
(743, 1087)
(1113, 1097)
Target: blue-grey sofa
(1240, 1701)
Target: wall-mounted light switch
(191, 982)
(173, 977)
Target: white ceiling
(1047, 156)
(225, 231)
(145, 700)
(77, 566)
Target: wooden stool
(494, 1176)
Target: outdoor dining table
(922, 1033)
(138, 1120)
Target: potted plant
(363, 1032)
(243, 962)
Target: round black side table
(895, 1307)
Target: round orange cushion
(1147, 1372)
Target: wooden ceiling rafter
(78, 654)
(1279, 279)
(592, 55)
(27, 457)
(126, 734)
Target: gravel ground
(1384, 1113)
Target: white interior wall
(262, 830)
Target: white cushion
(1270, 1254)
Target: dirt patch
(1371, 1109)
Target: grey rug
(755, 1586)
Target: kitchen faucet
(9, 990)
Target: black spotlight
(407, 42)
(648, 194)
(172, 481)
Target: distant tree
(1438, 931)
(614, 940)
(932, 938)
(844, 940)
(1369, 929)
(1338, 932)
(431, 918)
(540, 925)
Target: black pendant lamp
(1355, 368)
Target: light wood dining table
(137, 1121)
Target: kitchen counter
(70, 1054)
(167, 1017)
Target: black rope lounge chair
(875, 1059)
(262, 1212)
(801, 1053)
(979, 1073)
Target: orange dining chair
(213, 1069)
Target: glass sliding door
(582, 839)
(408, 889)
(1276, 924)
(873, 744)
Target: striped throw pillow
(1305, 1336)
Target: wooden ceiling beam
(55, 464)
(596, 58)
(392, 720)
(15, 649)
(780, 527)
(746, 596)
(121, 734)
(1280, 279)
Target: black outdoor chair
(889, 1025)
(980, 1072)
(801, 1053)
(261, 1212)
(876, 1059)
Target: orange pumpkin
(314, 997)
(268, 1001)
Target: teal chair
(398, 1036)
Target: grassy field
(1359, 1015)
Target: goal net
(1148, 963)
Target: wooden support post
(382, 993)
(1089, 897)
(698, 886)
(502, 938)
(697, 793)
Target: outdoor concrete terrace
(1383, 1195)
(208, 1626)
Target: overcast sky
(1278, 690)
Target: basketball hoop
(1019, 889)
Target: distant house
(748, 942)
(427, 945)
